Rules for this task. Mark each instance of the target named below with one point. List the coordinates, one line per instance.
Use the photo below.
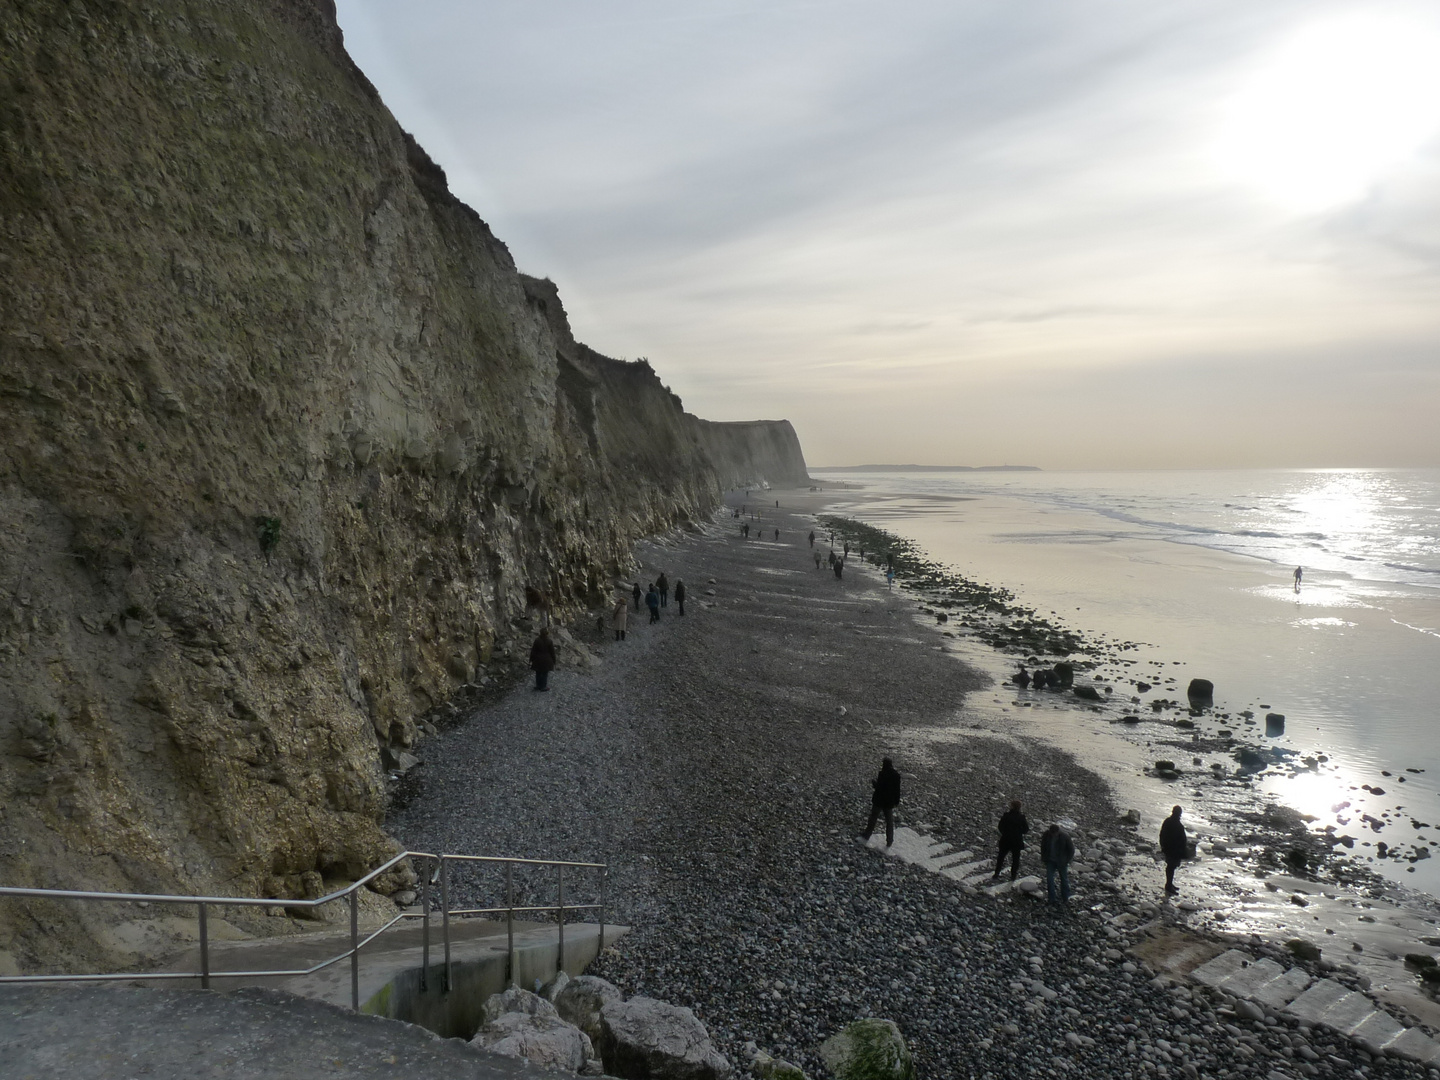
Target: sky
(1067, 233)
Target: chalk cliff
(284, 441)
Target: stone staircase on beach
(1268, 987)
(941, 858)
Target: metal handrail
(352, 892)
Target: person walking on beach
(662, 583)
(812, 538)
(839, 569)
(1299, 573)
(1174, 845)
(1056, 851)
(889, 578)
(817, 560)
(884, 800)
(777, 535)
(745, 530)
(635, 592)
(680, 596)
(542, 659)
(620, 618)
(652, 601)
(1012, 829)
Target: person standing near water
(1299, 573)
(652, 601)
(680, 596)
(1056, 851)
(884, 801)
(812, 537)
(542, 659)
(635, 592)
(1012, 829)
(1174, 845)
(662, 583)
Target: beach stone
(768, 1068)
(1200, 690)
(1303, 950)
(540, 1038)
(1086, 693)
(643, 1038)
(1274, 723)
(551, 990)
(870, 1049)
(580, 1001)
(515, 1000)
(1248, 1010)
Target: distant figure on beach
(884, 801)
(1056, 851)
(680, 596)
(652, 601)
(662, 585)
(777, 534)
(817, 560)
(812, 538)
(635, 592)
(745, 529)
(890, 578)
(847, 549)
(777, 502)
(839, 569)
(542, 659)
(620, 618)
(1299, 573)
(1174, 845)
(1021, 678)
(1012, 829)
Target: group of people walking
(1057, 848)
(542, 651)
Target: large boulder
(523, 1025)
(870, 1049)
(581, 999)
(1200, 690)
(645, 1039)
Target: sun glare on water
(1332, 110)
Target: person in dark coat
(884, 801)
(1174, 845)
(680, 595)
(812, 537)
(635, 592)
(1056, 851)
(542, 660)
(1012, 829)
(652, 601)
(662, 583)
(839, 568)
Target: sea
(1198, 569)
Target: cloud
(792, 207)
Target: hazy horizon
(1080, 235)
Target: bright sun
(1333, 108)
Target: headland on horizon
(925, 468)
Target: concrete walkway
(137, 1033)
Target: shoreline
(709, 762)
(1249, 888)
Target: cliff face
(284, 439)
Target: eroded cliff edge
(284, 440)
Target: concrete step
(1322, 1002)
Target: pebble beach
(720, 764)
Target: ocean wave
(1412, 569)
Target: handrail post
(425, 932)
(445, 918)
(604, 882)
(560, 913)
(355, 949)
(510, 924)
(204, 948)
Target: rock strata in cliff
(286, 440)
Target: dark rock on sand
(1200, 690)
